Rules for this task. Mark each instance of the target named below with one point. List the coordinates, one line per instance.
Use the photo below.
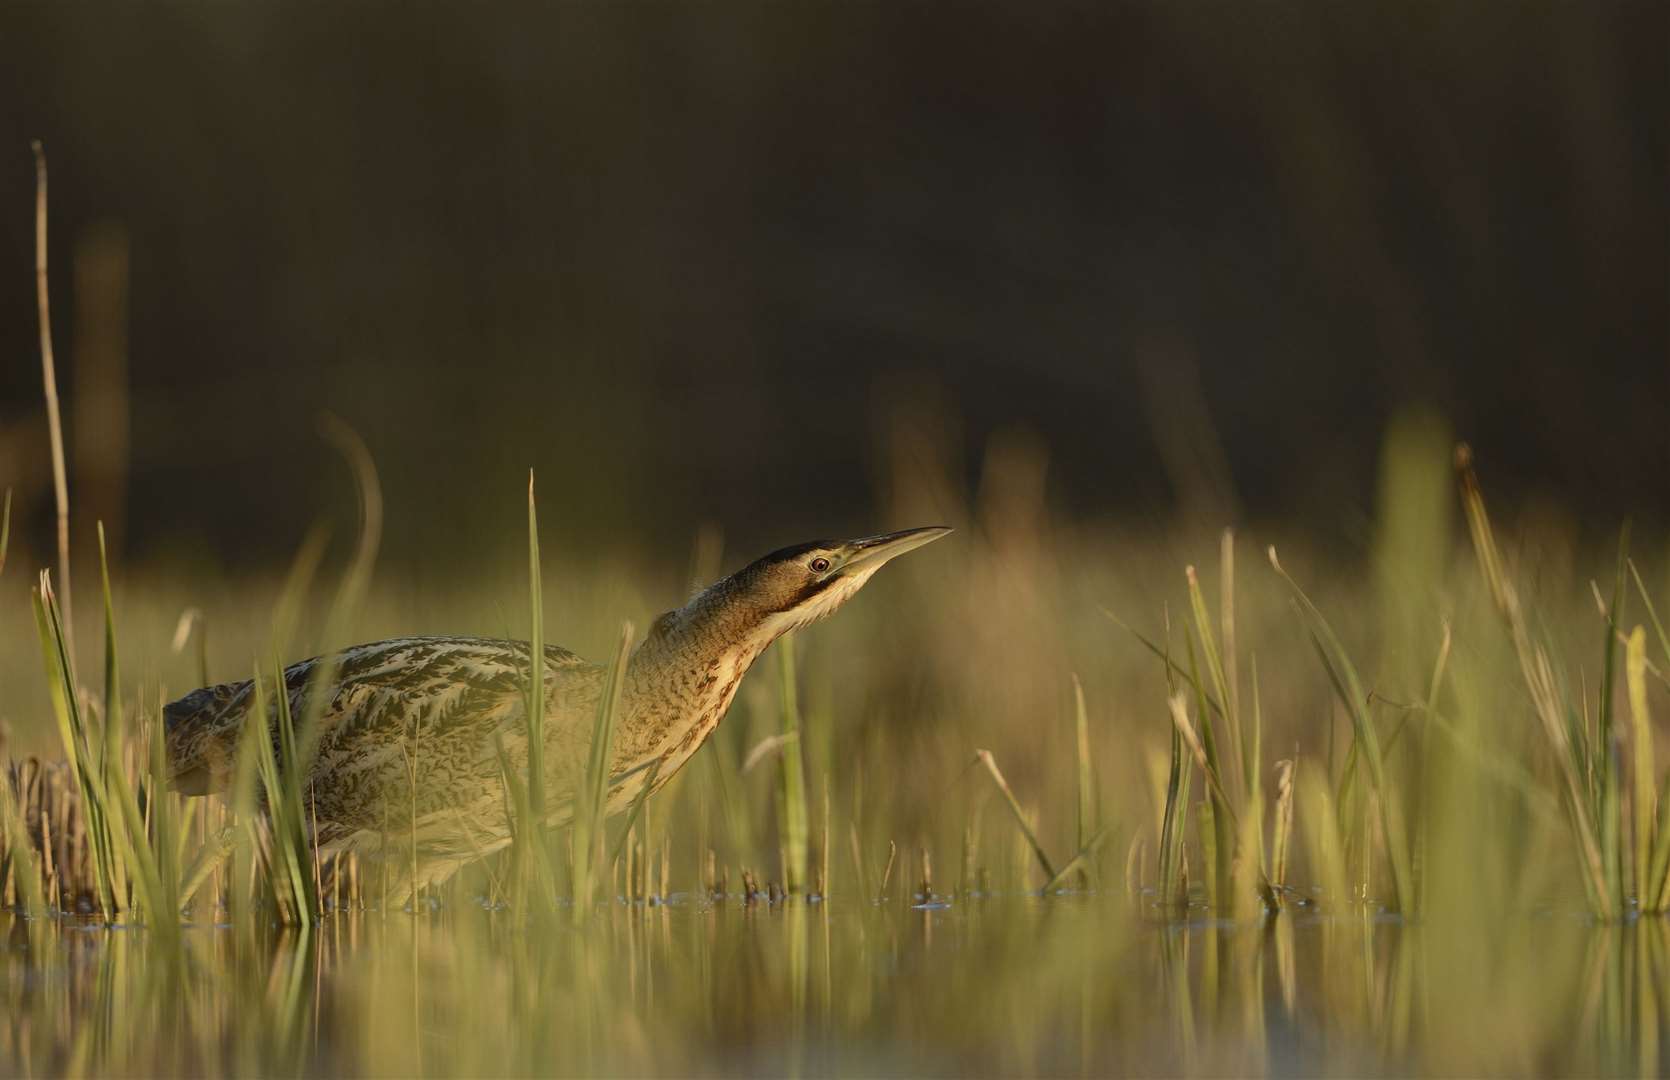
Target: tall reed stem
(49, 376)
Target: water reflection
(1068, 985)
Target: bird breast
(671, 707)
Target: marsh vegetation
(1063, 800)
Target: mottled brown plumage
(442, 707)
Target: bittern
(416, 734)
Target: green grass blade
(78, 748)
(1222, 811)
(1343, 674)
(1658, 893)
(530, 859)
(1235, 859)
(157, 896)
(1609, 650)
(535, 704)
(196, 873)
(5, 527)
(1319, 825)
(112, 759)
(20, 858)
(985, 758)
(287, 821)
(1173, 669)
(589, 813)
(286, 890)
(635, 810)
(793, 815)
(1086, 771)
(1179, 707)
(1646, 600)
(1539, 678)
(1174, 822)
(253, 742)
(532, 856)
(1079, 861)
(135, 853)
(1255, 747)
(1602, 752)
(282, 772)
(1642, 794)
(1215, 671)
(1226, 627)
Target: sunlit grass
(1058, 846)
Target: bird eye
(819, 564)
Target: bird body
(416, 734)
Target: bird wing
(448, 692)
(415, 731)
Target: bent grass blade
(985, 758)
(1343, 674)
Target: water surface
(1003, 985)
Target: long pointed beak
(871, 551)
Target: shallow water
(1004, 985)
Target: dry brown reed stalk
(1086, 773)
(1284, 822)
(17, 852)
(54, 895)
(192, 624)
(49, 376)
(50, 823)
(887, 872)
(1179, 706)
(5, 527)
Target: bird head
(798, 585)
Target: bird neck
(681, 679)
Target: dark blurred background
(738, 262)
